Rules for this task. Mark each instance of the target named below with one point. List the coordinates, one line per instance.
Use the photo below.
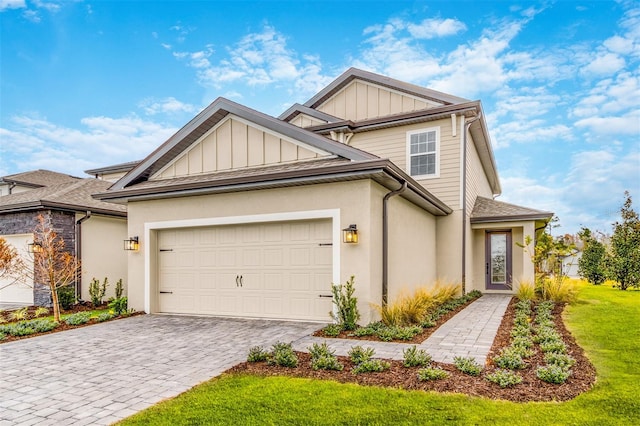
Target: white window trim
(408, 145)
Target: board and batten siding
(361, 101)
(234, 144)
(304, 120)
(391, 143)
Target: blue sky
(85, 84)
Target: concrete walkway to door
(106, 372)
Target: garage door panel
(284, 269)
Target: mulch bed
(417, 339)
(531, 389)
(62, 326)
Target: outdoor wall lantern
(34, 247)
(350, 235)
(132, 244)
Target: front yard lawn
(604, 321)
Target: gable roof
(488, 210)
(296, 109)
(38, 178)
(115, 168)
(354, 73)
(213, 114)
(73, 195)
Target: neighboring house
(92, 230)
(20, 182)
(242, 214)
(112, 173)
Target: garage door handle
(166, 292)
(325, 295)
(237, 282)
(241, 282)
(166, 250)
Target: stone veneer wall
(64, 224)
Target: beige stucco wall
(449, 247)
(102, 252)
(359, 202)
(412, 247)
(522, 267)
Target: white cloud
(604, 63)
(627, 124)
(168, 105)
(433, 28)
(12, 4)
(32, 15)
(39, 143)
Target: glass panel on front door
(498, 261)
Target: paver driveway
(103, 373)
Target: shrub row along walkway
(469, 333)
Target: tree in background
(623, 258)
(591, 265)
(53, 265)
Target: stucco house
(244, 214)
(92, 230)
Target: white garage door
(267, 270)
(17, 292)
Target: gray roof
(324, 170)
(121, 167)
(38, 178)
(212, 115)
(70, 196)
(488, 210)
(296, 109)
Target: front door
(498, 260)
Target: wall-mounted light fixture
(132, 244)
(34, 247)
(350, 235)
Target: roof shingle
(488, 210)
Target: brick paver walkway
(468, 333)
(106, 372)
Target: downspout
(79, 253)
(385, 242)
(467, 125)
(11, 186)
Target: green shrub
(282, 354)
(18, 329)
(320, 350)
(559, 360)
(521, 331)
(42, 325)
(119, 289)
(78, 318)
(467, 365)
(414, 357)
(522, 342)
(346, 305)
(389, 333)
(546, 334)
(432, 373)
(504, 378)
(523, 351)
(428, 322)
(510, 359)
(119, 305)
(358, 354)
(2, 336)
(332, 330)
(326, 363)
(368, 330)
(523, 306)
(556, 346)
(97, 291)
(553, 374)
(257, 354)
(105, 316)
(66, 296)
(371, 366)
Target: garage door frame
(151, 228)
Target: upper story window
(422, 152)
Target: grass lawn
(605, 322)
